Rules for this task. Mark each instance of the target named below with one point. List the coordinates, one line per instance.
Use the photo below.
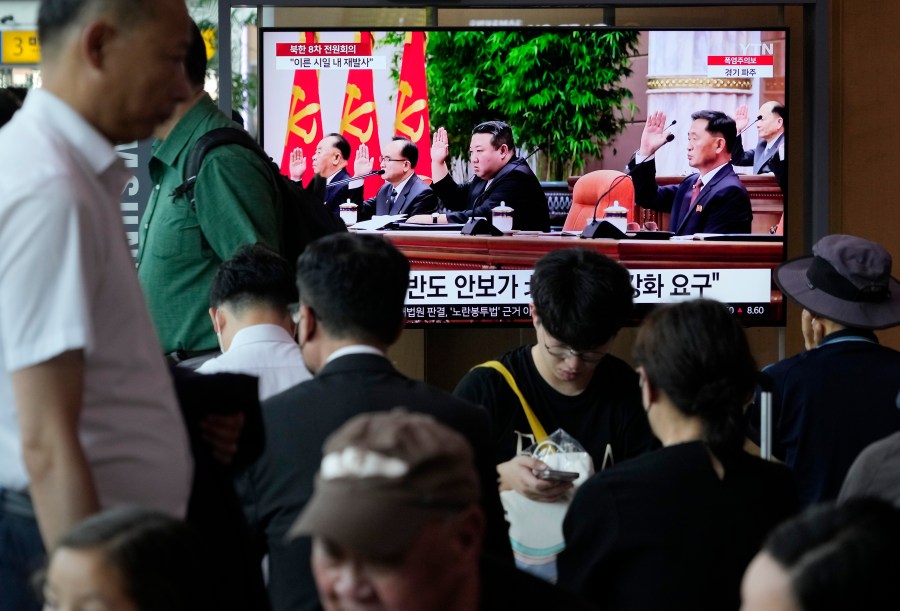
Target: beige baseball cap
(383, 476)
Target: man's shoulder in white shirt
(267, 352)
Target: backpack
(303, 217)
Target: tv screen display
(577, 99)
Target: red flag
(359, 122)
(304, 126)
(412, 101)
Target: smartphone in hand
(557, 476)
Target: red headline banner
(741, 60)
(290, 49)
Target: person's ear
(649, 394)
(215, 321)
(504, 151)
(535, 319)
(306, 328)
(468, 534)
(95, 39)
(806, 328)
(219, 319)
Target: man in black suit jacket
(330, 165)
(501, 177)
(769, 155)
(713, 200)
(343, 335)
(403, 191)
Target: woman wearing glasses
(674, 529)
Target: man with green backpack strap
(183, 242)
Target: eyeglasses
(385, 159)
(564, 352)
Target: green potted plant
(548, 85)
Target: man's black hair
(254, 276)
(54, 16)
(195, 60)
(582, 298)
(356, 286)
(781, 111)
(341, 144)
(718, 123)
(501, 133)
(409, 151)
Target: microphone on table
(479, 226)
(749, 125)
(344, 181)
(540, 147)
(670, 137)
(601, 228)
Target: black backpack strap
(207, 142)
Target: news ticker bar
(651, 286)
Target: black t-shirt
(609, 411)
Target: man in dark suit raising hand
(712, 200)
(500, 177)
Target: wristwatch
(434, 217)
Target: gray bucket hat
(847, 280)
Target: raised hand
(654, 134)
(440, 150)
(741, 117)
(440, 146)
(362, 163)
(297, 164)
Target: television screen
(577, 100)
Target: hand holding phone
(557, 476)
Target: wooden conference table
(450, 250)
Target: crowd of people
(297, 468)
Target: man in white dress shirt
(88, 414)
(249, 308)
